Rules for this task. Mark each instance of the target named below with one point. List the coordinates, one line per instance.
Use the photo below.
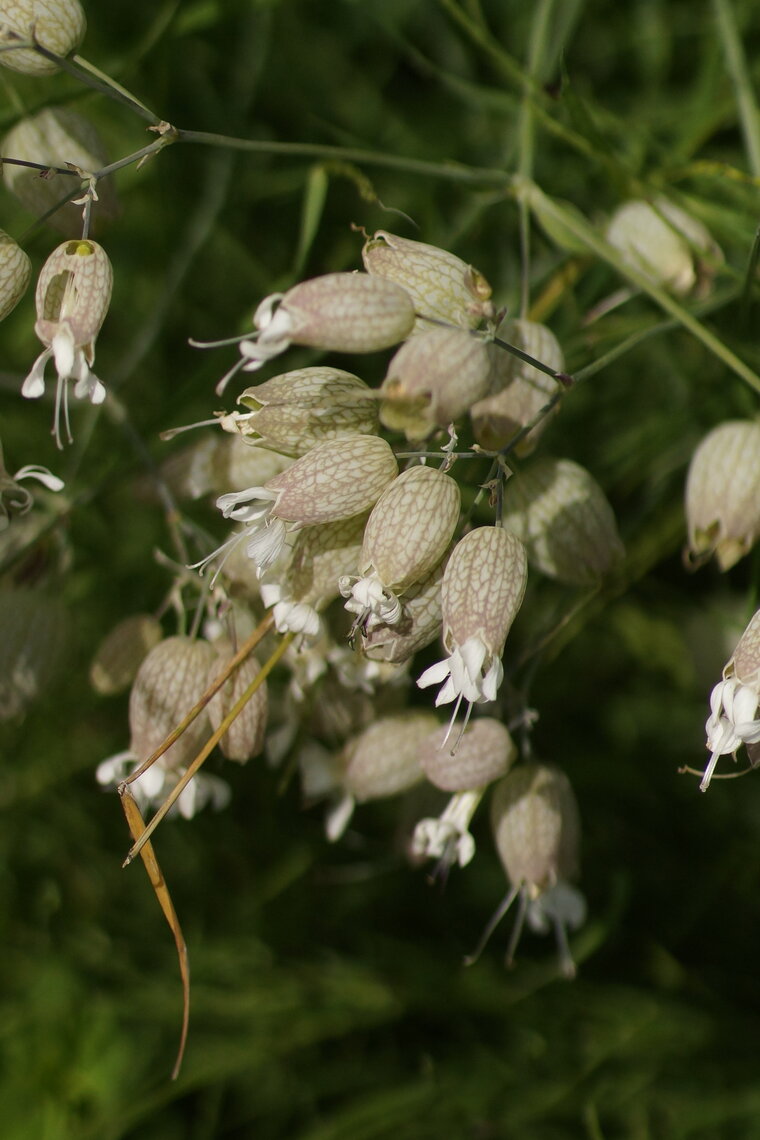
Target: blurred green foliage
(329, 1001)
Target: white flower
(734, 702)
(151, 789)
(448, 837)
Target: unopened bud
(57, 25)
(483, 754)
(15, 271)
(664, 243)
(723, 494)
(562, 515)
(54, 137)
(293, 412)
(441, 285)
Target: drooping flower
(666, 244)
(336, 480)
(536, 827)
(562, 515)
(723, 495)
(482, 590)
(735, 702)
(15, 271)
(338, 312)
(73, 295)
(483, 754)
(407, 534)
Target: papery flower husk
(410, 527)
(335, 480)
(518, 390)
(745, 660)
(383, 760)
(433, 379)
(561, 514)
(169, 682)
(295, 411)
(419, 624)
(441, 285)
(536, 826)
(483, 588)
(15, 273)
(244, 739)
(34, 632)
(122, 651)
(348, 312)
(56, 136)
(57, 25)
(723, 495)
(483, 754)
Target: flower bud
(518, 390)
(168, 683)
(433, 379)
(73, 295)
(56, 136)
(339, 312)
(244, 739)
(441, 285)
(294, 412)
(723, 494)
(561, 514)
(406, 536)
(57, 25)
(15, 271)
(664, 243)
(482, 590)
(536, 827)
(122, 651)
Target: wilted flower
(441, 285)
(57, 25)
(723, 494)
(562, 515)
(734, 702)
(664, 243)
(73, 295)
(483, 588)
(335, 480)
(417, 626)
(339, 312)
(15, 499)
(535, 822)
(407, 535)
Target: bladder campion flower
(482, 590)
(735, 702)
(666, 244)
(73, 294)
(15, 271)
(723, 495)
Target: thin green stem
(736, 62)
